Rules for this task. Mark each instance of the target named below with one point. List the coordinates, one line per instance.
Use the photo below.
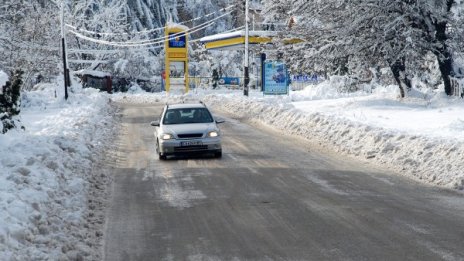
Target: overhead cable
(160, 43)
(151, 41)
(146, 31)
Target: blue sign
(229, 81)
(177, 40)
(304, 78)
(275, 78)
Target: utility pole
(246, 63)
(63, 44)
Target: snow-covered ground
(52, 191)
(48, 189)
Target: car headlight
(213, 134)
(166, 136)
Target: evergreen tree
(10, 101)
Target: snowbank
(49, 197)
(431, 158)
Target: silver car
(187, 128)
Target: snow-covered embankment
(51, 199)
(432, 160)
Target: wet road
(270, 197)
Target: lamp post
(246, 62)
(63, 45)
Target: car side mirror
(220, 121)
(155, 123)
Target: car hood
(189, 128)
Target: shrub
(10, 102)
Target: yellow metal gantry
(176, 50)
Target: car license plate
(190, 143)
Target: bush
(10, 102)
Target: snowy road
(270, 198)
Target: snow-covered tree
(29, 38)
(30, 34)
(441, 20)
(276, 10)
(397, 34)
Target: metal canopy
(236, 40)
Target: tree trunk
(398, 69)
(444, 57)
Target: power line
(136, 45)
(159, 38)
(94, 51)
(148, 31)
(88, 61)
(115, 51)
(152, 41)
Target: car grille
(191, 148)
(190, 135)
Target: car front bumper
(176, 146)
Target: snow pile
(135, 88)
(49, 196)
(333, 88)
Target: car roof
(186, 105)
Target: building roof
(236, 34)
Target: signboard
(229, 81)
(176, 40)
(305, 78)
(177, 55)
(300, 81)
(275, 78)
(176, 58)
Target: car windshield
(187, 115)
